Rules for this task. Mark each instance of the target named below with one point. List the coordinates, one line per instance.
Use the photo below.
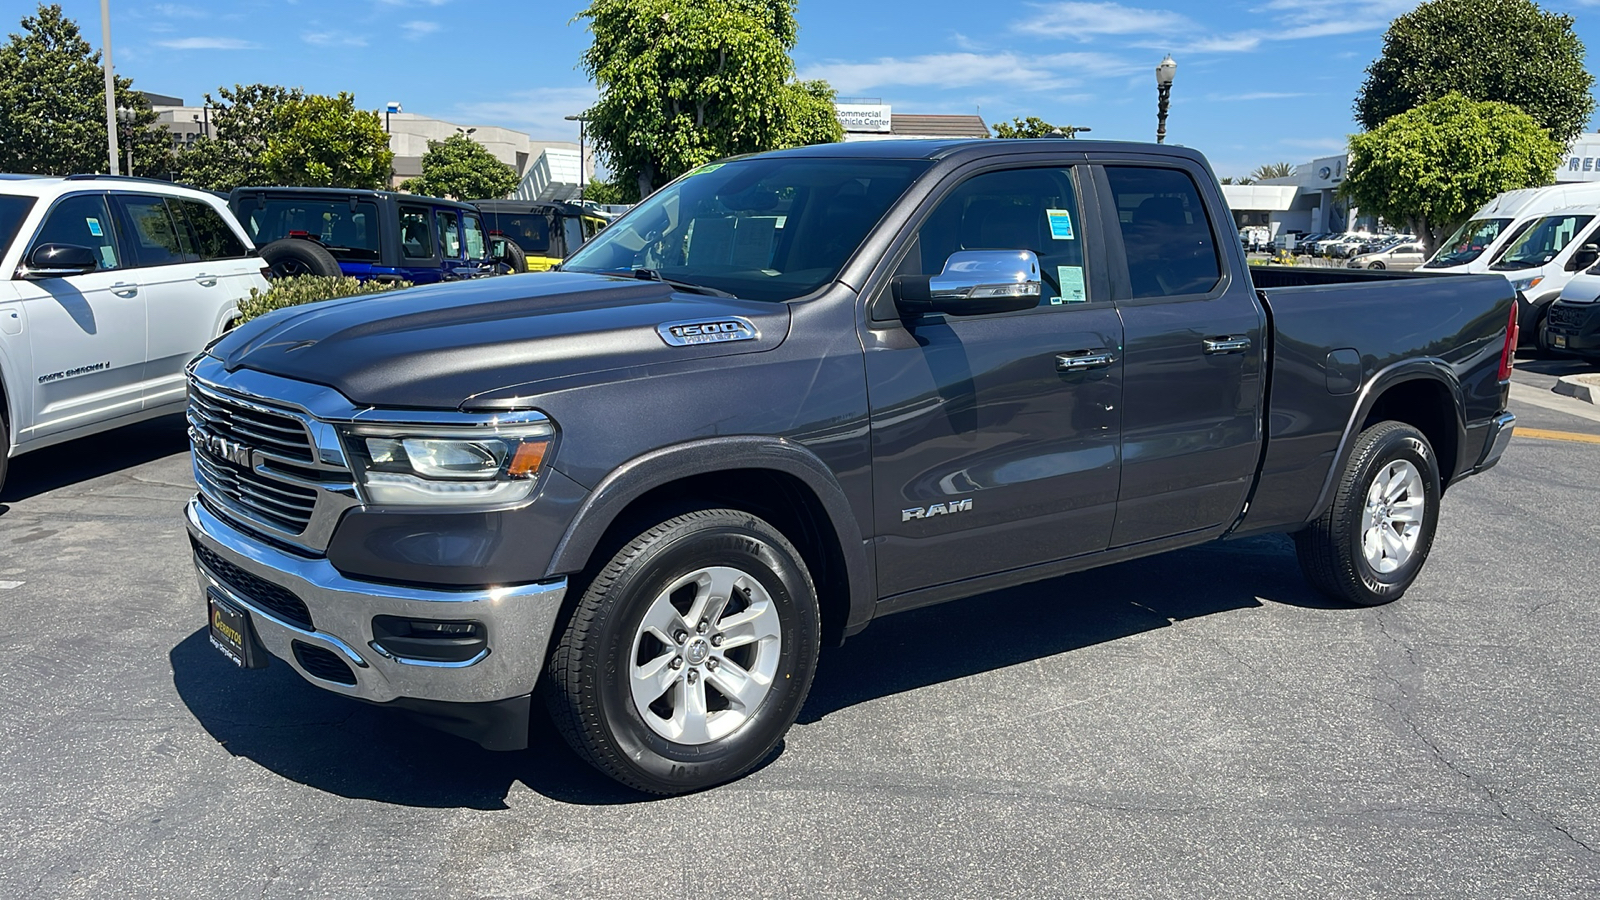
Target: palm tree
(1272, 170)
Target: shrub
(301, 289)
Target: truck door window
(450, 235)
(84, 221)
(416, 237)
(1015, 209)
(473, 232)
(1166, 234)
(215, 240)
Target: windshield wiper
(691, 287)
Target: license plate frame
(233, 633)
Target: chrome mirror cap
(983, 274)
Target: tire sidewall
(655, 758)
(313, 257)
(1393, 446)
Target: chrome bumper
(1498, 438)
(518, 622)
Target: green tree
(684, 82)
(1272, 170)
(460, 167)
(53, 105)
(1244, 180)
(1507, 50)
(326, 142)
(604, 192)
(1032, 127)
(244, 120)
(1432, 166)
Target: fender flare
(1425, 369)
(634, 478)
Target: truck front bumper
(328, 638)
(1573, 328)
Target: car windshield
(347, 231)
(1468, 243)
(1541, 243)
(13, 210)
(771, 228)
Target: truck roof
(946, 148)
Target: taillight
(1509, 351)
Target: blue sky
(1258, 80)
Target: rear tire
(1372, 541)
(1377, 264)
(292, 257)
(663, 703)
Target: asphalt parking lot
(1197, 724)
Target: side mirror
(60, 261)
(973, 282)
(1587, 255)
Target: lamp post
(583, 122)
(1164, 73)
(1070, 131)
(388, 111)
(126, 116)
(111, 84)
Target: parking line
(10, 585)
(1539, 434)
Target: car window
(213, 238)
(156, 240)
(416, 235)
(572, 232)
(530, 231)
(349, 233)
(1016, 209)
(450, 234)
(1165, 232)
(591, 227)
(1542, 243)
(187, 243)
(13, 210)
(472, 231)
(1468, 243)
(82, 220)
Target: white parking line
(9, 585)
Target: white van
(1477, 244)
(1546, 255)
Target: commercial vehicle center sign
(872, 117)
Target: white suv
(108, 287)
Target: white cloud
(417, 30)
(209, 43)
(1330, 145)
(1166, 30)
(962, 70)
(1085, 20)
(177, 11)
(1256, 95)
(541, 112)
(332, 39)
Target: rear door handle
(206, 280)
(1079, 361)
(1227, 345)
(124, 289)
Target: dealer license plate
(231, 633)
(1558, 340)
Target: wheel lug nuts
(680, 636)
(711, 663)
(693, 676)
(716, 640)
(677, 662)
(703, 627)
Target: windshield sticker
(1071, 279)
(94, 227)
(707, 169)
(1060, 224)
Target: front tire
(689, 655)
(1377, 264)
(1371, 543)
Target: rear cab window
(1166, 233)
(349, 232)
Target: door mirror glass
(60, 261)
(973, 282)
(1586, 256)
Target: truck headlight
(487, 464)
(1526, 284)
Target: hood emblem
(707, 331)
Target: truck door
(1192, 360)
(989, 451)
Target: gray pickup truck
(793, 392)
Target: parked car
(1545, 257)
(797, 391)
(1402, 257)
(544, 233)
(112, 286)
(378, 235)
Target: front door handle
(1227, 345)
(206, 280)
(124, 289)
(1083, 360)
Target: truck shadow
(360, 751)
(86, 459)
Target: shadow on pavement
(1550, 363)
(357, 750)
(90, 457)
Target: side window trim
(1210, 199)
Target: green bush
(301, 289)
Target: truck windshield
(1541, 243)
(762, 229)
(348, 232)
(13, 210)
(1468, 243)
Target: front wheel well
(1426, 405)
(783, 500)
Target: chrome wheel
(1391, 520)
(704, 655)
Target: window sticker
(1071, 279)
(108, 258)
(94, 227)
(1060, 224)
(706, 169)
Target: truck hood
(441, 346)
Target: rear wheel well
(785, 501)
(1425, 405)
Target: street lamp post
(111, 83)
(583, 182)
(1164, 73)
(388, 111)
(126, 116)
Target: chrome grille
(284, 506)
(274, 434)
(1568, 316)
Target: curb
(1579, 387)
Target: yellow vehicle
(545, 232)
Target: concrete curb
(1579, 387)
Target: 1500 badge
(707, 331)
(937, 509)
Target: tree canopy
(1433, 166)
(1272, 170)
(323, 141)
(53, 105)
(1507, 50)
(1032, 127)
(460, 167)
(684, 82)
(244, 120)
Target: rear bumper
(518, 622)
(1496, 441)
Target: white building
(1582, 162)
(872, 120)
(1307, 201)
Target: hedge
(301, 289)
